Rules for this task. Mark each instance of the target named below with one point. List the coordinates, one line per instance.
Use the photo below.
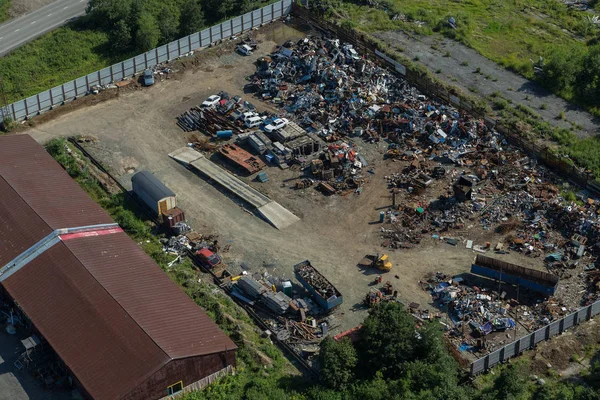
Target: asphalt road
(19, 31)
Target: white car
(277, 124)
(244, 50)
(211, 101)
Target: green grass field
(510, 32)
(59, 56)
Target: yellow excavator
(381, 262)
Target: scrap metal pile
(484, 319)
(181, 244)
(295, 321)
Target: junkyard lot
(137, 131)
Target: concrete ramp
(270, 210)
(277, 215)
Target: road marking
(33, 22)
(17, 30)
(64, 8)
(49, 14)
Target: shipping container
(538, 281)
(324, 293)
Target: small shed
(153, 192)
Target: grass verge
(64, 54)
(4, 7)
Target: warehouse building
(120, 328)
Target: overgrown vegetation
(112, 31)
(4, 7)
(512, 33)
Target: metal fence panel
(80, 86)
(276, 7)
(477, 366)
(510, 350)
(57, 97)
(554, 328)
(128, 67)
(255, 18)
(31, 105)
(493, 358)
(18, 110)
(205, 36)
(247, 19)
(44, 101)
(161, 54)
(569, 321)
(105, 76)
(237, 25)
(139, 63)
(184, 45)
(92, 79)
(524, 343)
(539, 335)
(195, 39)
(68, 89)
(117, 72)
(595, 308)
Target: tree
(561, 69)
(338, 360)
(372, 389)
(191, 19)
(168, 22)
(588, 79)
(108, 12)
(120, 37)
(510, 385)
(148, 32)
(387, 339)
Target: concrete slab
(185, 155)
(270, 210)
(277, 215)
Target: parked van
(253, 122)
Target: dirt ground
(136, 130)
(431, 52)
(21, 7)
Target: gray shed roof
(151, 185)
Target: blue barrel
(225, 134)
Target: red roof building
(121, 327)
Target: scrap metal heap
(482, 319)
(296, 321)
(316, 280)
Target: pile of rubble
(480, 318)
(181, 244)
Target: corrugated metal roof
(108, 310)
(45, 186)
(104, 347)
(151, 185)
(20, 227)
(159, 307)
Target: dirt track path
(512, 86)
